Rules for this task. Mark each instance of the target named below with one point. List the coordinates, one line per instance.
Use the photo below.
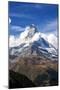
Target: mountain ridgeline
(33, 58)
(33, 42)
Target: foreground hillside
(41, 71)
(17, 80)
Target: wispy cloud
(26, 16)
(17, 28)
(38, 6)
(50, 27)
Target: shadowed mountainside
(41, 71)
(17, 80)
(49, 78)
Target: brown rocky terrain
(42, 71)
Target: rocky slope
(33, 56)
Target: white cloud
(11, 40)
(15, 41)
(17, 28)
(51, 29)
(53, 40)
(9, 20)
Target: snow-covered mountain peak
(31, 30)
(30, 35)
(31, 40)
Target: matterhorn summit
(29, 31)
(32, 30)
(31, 42)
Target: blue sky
(44, 16)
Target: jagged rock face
(33, 42)
(32, 31)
